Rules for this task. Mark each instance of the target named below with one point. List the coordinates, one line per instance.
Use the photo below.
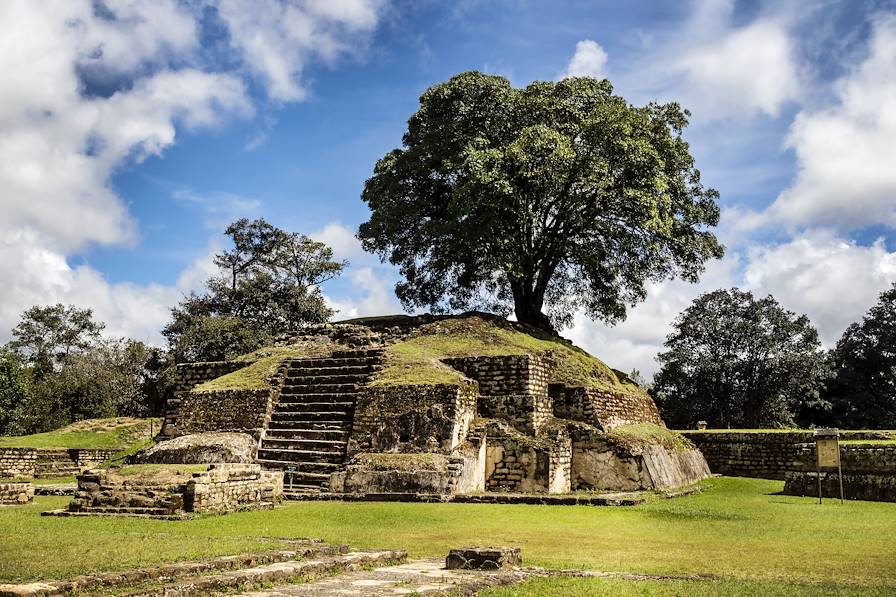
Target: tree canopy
(559, 196)
(267, 283)
(733, 360)
(863, 390)
(47, 335)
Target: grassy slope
(738, 529)
(119, 433)
(261, 366)
(416, 361)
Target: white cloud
(845, 153)
(278, 38)
(832, 280)
(61, 139)
(588, 61)
(374, 298)
(342, 240)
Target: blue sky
(132, 133)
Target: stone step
(324, 463)
(302, 378)
(335, 362)
(316, 396)
(301, 406)
(124, 510)
(320, 388)
(308, 477)
(360, 370)
(298, 454)
(302, 443)
(362, 352)
(329, 416)
(320, 432)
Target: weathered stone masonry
(48, 463)
(190, 375)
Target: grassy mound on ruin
(417, 360)
(640, 435)
(114, 434)
(261, 366)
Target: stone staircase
(309, 429)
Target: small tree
(47, 336)
(863, 390)
(733, 360)
(558, 196)
(267, 283)
(15, 389)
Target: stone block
(483, 558)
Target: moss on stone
(645, 434)
(155, 470)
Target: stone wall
(771, 455)
(872, 487)
(519, 463)
(415, 418)
(231, 487)
(188, 376)
(605, 409)
(240, 411)
(16, 493)
(372, 473)
(513, 388)
(48, 463)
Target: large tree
(733, 360)
(559, 196)
(863, 390)
(266, 283)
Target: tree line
(58, 368)
(734, 360)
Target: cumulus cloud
(277, 39)
(88, 87)
(588, 61)
(845, 153)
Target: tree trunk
(527, 306)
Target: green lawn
(737, 530)
(117, 433)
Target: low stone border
(56, 489)
(16, 494)
(627, 499)
(171, 572)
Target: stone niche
(424, 473)
(517, 462)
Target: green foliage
(735, 360)
(15, 389)
(863, 390)
(267, 283)
(47, 336)
(99, 433)
(560, 194)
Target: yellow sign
(828, 453)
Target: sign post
(827, 451)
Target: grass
(612, 587)
(738, 530)
(119, 433)
(151, 469)
(261, 366)
(417, 360)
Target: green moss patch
(154, 470)
(117, 433)
(418, 359)
(646, 434)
